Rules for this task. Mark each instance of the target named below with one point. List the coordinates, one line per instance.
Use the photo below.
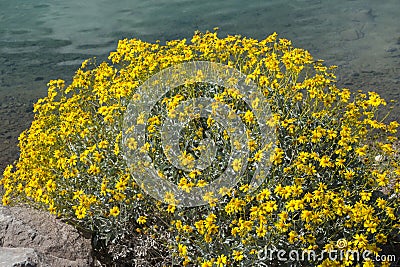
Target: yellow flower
(293, 205)
(360, 240)
(381, 238)
(269, 206)
(78, 194)
(237, 255)
(201, 183)
(221, 260)
(210, 121)
(51, 185)
(170, 198)
(235, 205)
(200, 226)
(182, 250)
(187, 159)
(141, 220)
(306, 215)
(249, 117)
(97, 156)
(80, 212)
(261, 231)
(121, 185)
(325, 161)
(292, 237)
(340, 162)
(171, 208)
(302, 139)
(361, 151)
(185, 184)
(207, 264)
(259, 155)
(375, 100)
(381, 203)
(331, 134)
(94, 169)
(114, 211)
(52, 209)
(264, 194)
(368, 263)
(5, 200)
(245, 188)
(140, 118)
(194, 173)
(132, 143)
(277, 157)
(371, 226)
(103, 144)
(349, 174)
(237, 165)
(365, 196)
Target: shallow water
(42, 40)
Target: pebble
(391, 49)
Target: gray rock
(391, 49)
(18, 257)
(53, 242)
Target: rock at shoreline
(18, 257)
(30, 238)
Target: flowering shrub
(333, 181)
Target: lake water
(42, 40)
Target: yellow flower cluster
(335, 172)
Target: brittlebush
(334, 175)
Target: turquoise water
(42, 40)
